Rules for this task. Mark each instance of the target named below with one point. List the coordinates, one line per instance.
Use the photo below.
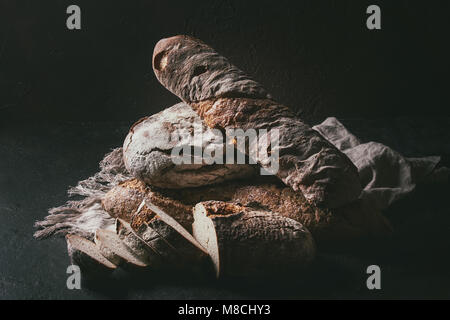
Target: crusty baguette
(87, 256)
(147, 151)
(225, 97)
(330, 228)
(242, 241)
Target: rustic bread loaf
(225, 97)
(148, 146)
(330, 228)
(243, 241)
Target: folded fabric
(385, 174)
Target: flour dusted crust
(225, 97)
(148, 146)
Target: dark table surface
(38, 161)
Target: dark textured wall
(316, 56)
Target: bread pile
(244, 223)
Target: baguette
(245, 242)
(225, 97)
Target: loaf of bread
(243, 241)
(330, 228)
(226, 98)
(148, 147)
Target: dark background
(68, 97)
(315, 56)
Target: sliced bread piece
(106, 251)
(109, 241)
(139, 247)
(175, 234)
(153, 238)
(87, 256)
(167, 252)
(243, 241)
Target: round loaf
(147, 151)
